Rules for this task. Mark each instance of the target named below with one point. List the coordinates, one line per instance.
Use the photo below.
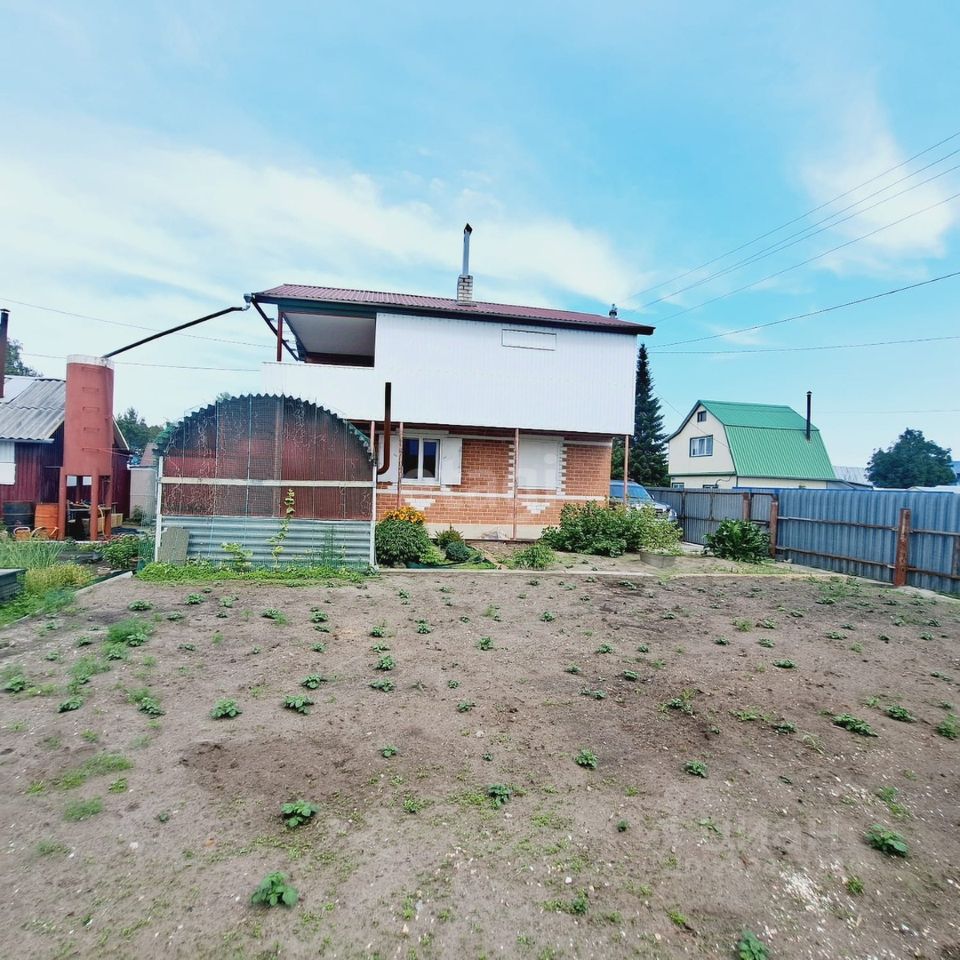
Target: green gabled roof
(769, 441)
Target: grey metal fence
(700, 511)
(897, 536)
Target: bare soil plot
(408, 854)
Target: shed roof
(34, 412)
(769, 441)
(293, 293)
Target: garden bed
(134, 832)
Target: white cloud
(863, 146)
(113, 223)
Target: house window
(711, 486)
(8, 462)
(421, 456)
(676, 486)
(701, 416)
(539, 464)
(530, 339)
(701, 446)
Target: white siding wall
(679, 460)
(450, 371)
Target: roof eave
(295, 304)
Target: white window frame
(8, 462)
(676, 485)
(701, 446)
(420, 478)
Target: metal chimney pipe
(465, 270)
(4, 321)
(809, 405)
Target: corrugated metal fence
(700, 511)
(334, 543)
(853, 532)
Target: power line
(121, 323)
(163, 366)
(885, 412)
(790, 223)
(834, 346)
(807, 232)
(812, 313)
(819, 256)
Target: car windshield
(638, 492)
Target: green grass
(79, 810)
(200, 571)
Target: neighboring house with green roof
(723, 445)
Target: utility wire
(833, 346)
(790, 223)
(121, 323)
(163, 366)
(807, 232)
(812, 313)
(819, 256)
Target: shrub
(538, 556)
(400, 541)
(445, 537)
(122, 552)
(224, 709)
(406, 515)
(59, 577)
(458, 552)
(611, 530)
(738, 540)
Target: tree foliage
(135, 429)
(15, 365)
(648, 452)
(913, 461)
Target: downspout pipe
(809, 408)
(387, 427)
(4, 321)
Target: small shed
(262, 471)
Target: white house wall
(679, 461)
(452, 371)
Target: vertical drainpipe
(4, 320)
(809, 408)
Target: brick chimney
(465, 281)
(88, 435)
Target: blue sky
(159, 160)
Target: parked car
(637, 497)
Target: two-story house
(501, 414)
(721, 445)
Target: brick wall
(482, 505)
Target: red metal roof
(474, 308)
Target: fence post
(745, 512)
(903, 549)
(774, 521)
